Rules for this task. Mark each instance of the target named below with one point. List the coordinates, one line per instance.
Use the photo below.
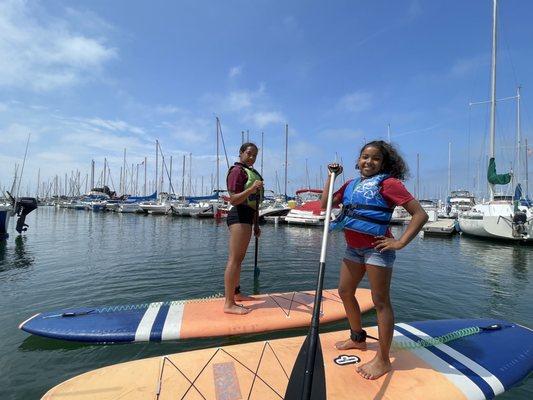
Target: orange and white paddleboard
(479, 366)
(188, 319)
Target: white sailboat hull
(129, 208)
(495, 221)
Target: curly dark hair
(393, 163)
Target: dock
(440, 227)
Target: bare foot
(243, 297)
(236, 309)
(350, 344)
(374, 368)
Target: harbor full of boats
(505, 217)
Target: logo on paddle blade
(346, 360)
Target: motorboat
(458, 202)
(309, 210)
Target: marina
(116, 258)
(283, 201)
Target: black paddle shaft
(256, 224)
(311, 385)
(314, 339)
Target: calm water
(72, 258)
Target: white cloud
(56, 157)
(236, 100)
(264, 118)
(304, 149)
(235, 71)
(189, 130)
(168, 109)
(16, 133)
(467, 66)
(117, 125)
(239, 100)
(101, 140)
(43, 52)
(356, 101)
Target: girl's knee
(381, 301)
(235, 258)
(346, 291)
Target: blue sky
(90, 78)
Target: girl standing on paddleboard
(245, 186)
(368, 202)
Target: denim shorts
(369, 255)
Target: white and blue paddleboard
(473, 363)
(187, 319)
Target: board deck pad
(188, 319)
(479, 366)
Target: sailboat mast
(218, 158)
(136, 180)
(518, 135)
(417, 176)
(170, 188)
(286, 155)
(493, 90)
(449, 168)
(262, 152)
(183, 178)
(527, 172)
(105, 174)
(92, 175)
(307, 175)
(38, 182)
(156, 162)
(145, 165)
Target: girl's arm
(418, 219)
(239, 198)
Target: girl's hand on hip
(383, 243)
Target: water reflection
(22, 258)
(504, 266)
(18, 259)
(520, 263)
(3, 246)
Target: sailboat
(501, 217)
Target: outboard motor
(23, 207)
(519, 224)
